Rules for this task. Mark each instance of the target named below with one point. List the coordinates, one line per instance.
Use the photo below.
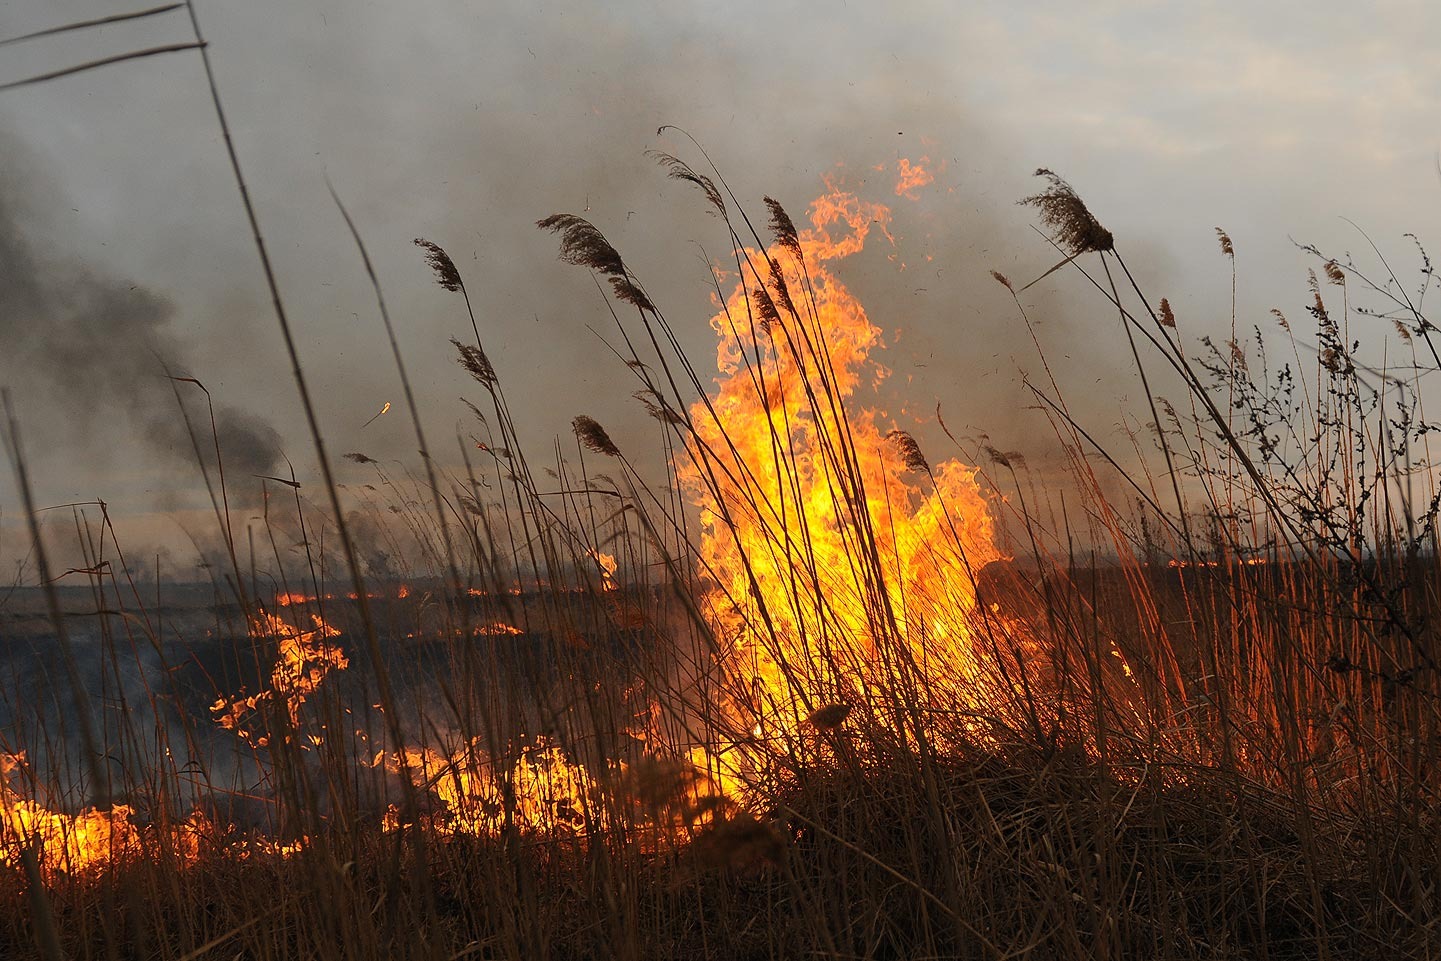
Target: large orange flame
(838, 563)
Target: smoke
(101, 353)
(465, 127)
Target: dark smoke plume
(96, 350)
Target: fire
(303, 659)
(831, 561)
(64, 843)
(607, 565)
(551, 792)
(839, 564)
(661, 802)
(912, 177)
(1175, 564)
(498, 629)
(384, 410)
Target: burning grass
(844, 701)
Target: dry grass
(1235, 757)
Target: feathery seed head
(910, 451)
(766, 307)
(473, 359)
(583, 245)
(999, 457)
(782, 289)
(782, 227)
(1066, 213)
(656, 406)
(445, 273)
(593, 436)
(680, 170)
(474, 410)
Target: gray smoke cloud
(100, 351)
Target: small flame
(910, 178)
(607, 565)
(382, 411)
(302, 661)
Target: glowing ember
(383, 410)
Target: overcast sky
(464, 122)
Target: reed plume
(656, 406)
(583, 245)
(445, 272)
(1225, 239)
(593, 436)
(782, 227)
(766, 307)
(1165, 316)
(783, 290)
(678, 169)
(1064, 211)
(910, 451)
(473, 359)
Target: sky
(123, 244)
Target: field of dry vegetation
(822, 694)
